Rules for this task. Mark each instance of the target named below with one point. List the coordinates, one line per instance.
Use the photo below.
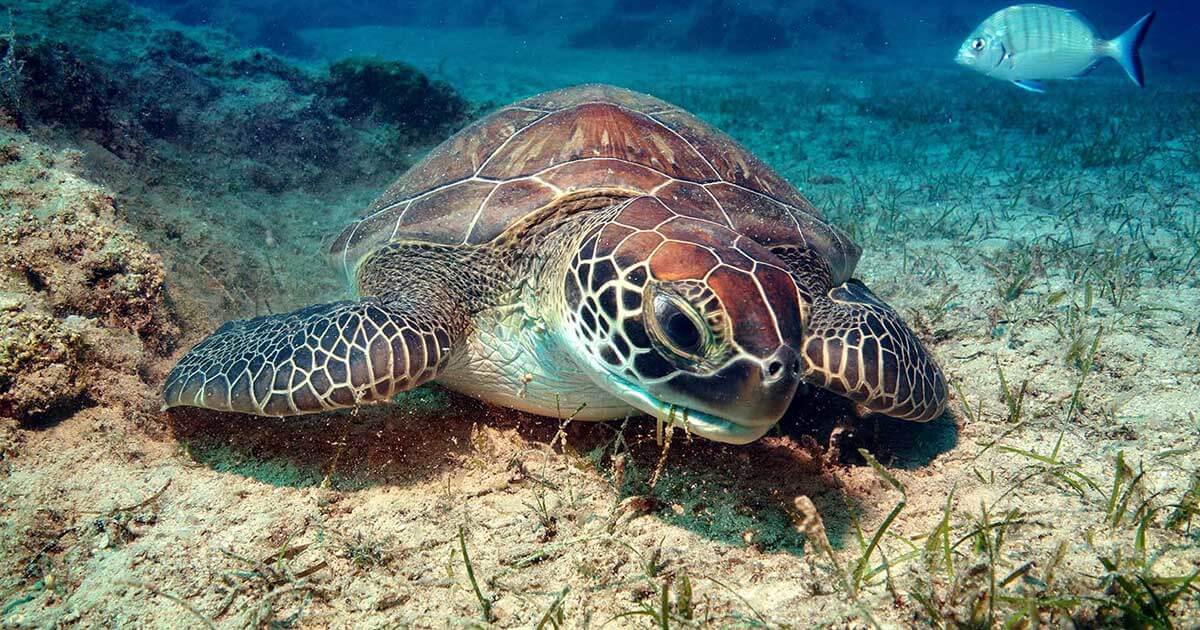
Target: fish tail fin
(1126, 46)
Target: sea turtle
(590, 252)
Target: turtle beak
(747, 392)
(707, 425)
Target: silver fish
(1029, 42)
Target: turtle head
(685, 320)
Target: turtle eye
(678, 327)
(978, 44)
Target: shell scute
(459, 157)
(731, 162)
(581, 148)
(596, 130)
(755, 215)
(443, 216)
(603, 173)
(519, 196)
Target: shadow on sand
(732, 494)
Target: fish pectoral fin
(1032, 86)
(1087, 70)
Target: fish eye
(978, 44)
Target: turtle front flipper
(322, 357)
(858, 347)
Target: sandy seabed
(1047, 248)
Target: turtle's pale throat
(702, 424)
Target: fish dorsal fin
(1083, 20)
(1031, 85)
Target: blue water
(903, 30)
(174, 166)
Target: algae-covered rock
(174, 100)
(67, 244)
(394, 92)
(86, 265)
(40, 364)
(66, 85)
(82, 302)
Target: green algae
(424, 399)
(393, 92)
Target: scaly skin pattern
(653, 263)
(322, 357)
(590, 286)
(859, 347)
(419, 299)
(588, 247)
(743, 293)
(755, 302)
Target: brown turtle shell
(589, 142)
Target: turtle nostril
(774, 369)
(783, 365)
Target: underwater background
(166, 166)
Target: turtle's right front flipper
(322, 357)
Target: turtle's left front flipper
(321, 357)
(857, 346)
